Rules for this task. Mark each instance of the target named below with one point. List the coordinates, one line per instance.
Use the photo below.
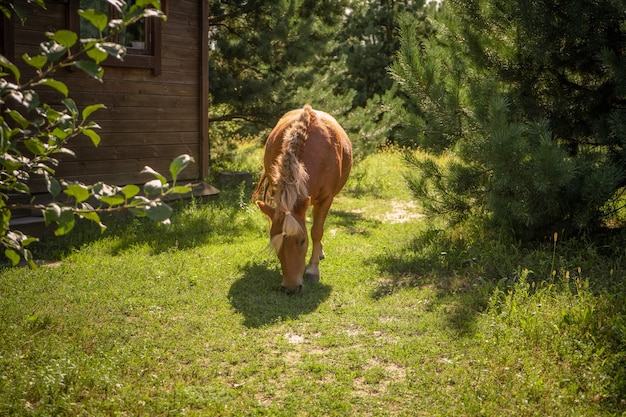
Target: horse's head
(289, 239)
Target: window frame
(148, 57)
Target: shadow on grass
(190, 228)
(258, 297)
(193, 224)
(447, 270)
(349, 221)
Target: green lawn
(190, 320)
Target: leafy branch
(34, 134)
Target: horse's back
(326, 152)
(327, 156)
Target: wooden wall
(150, 119)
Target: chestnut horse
(308, 158)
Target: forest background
(519, 107)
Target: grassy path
(191, 321)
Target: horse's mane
(285, 185)
(289, 174)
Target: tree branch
(233, 116)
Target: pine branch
(233, 116)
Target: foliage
(270, 58)
(368, 40)
(35, 134)
(262, 51)
(530, 106)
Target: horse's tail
(262, 189)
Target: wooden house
(156, 98)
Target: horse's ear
(266, 208)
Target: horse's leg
(319, 213)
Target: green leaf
(155, 13)
(66, 222)
(95, 138)
(35, 146)
(12, 255)
(57, 85)
(114, 200)
(147, 3)
(140, 200)
(38, 61)
(52, 213)
(90, 68)
(148, 170)
(130, 191)
(97, 53)
(40, 3)
(17, 117)
(93, 216)
(52, 115)
(103, 189)
(154, 187)
(159, 212)
(178, 164)
(20, 187)
(113, 49)
(118, 4)
(60, 133)
(28, 98)
(5, 141)
(6, 64)
(137, 211)
(10, 162)
(180, 189)
(88, 111)
(95, 17)
(78, 191)
(65, 37)
(28, 240)
(52, 184)
(67, 151)
(52, 50)
(116, 25)
(71, 106)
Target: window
(142, 39)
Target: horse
(307, 161)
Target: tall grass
(409, 318)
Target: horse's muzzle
(291, 291)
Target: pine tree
(262, 52)
(368, 40)
(528, 99)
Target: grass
(407, 319)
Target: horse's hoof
(312, 277)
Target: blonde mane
(288, 178)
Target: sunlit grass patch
(408, 319)
(379, 176)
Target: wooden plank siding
(150, 118)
